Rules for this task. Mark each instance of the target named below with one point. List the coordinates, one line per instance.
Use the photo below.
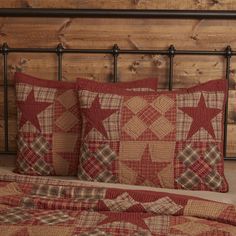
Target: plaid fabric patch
(40, 146)
(212, 155)
(96, 165)
(121, 203)
(188, 179)
(14, 216)
(54, 217)
(189, 155)
(164, 206)
(86, 193)
(213, 180)
(201, 168)
(159, 225)
(205, 168)
(48, 190)
(96, 232)
(21, 144)
(42, 168)
(148, 115)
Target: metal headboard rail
(115, 52)
(116, 13)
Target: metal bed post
(228, 54)
(115, 53)
(171, 61)
(5, 50)
(59, 51)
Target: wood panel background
(128, 34)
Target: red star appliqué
(133, 218)
(95, 116)
(30, 109)
(146, 168)
(202, 116)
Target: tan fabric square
(163, 104)
(64, 142)
(68, 99)
(131, 150)
(162, 151)
(61, 166)
(229, 228)
(126, 174)
(204, 209)
(10, 189)
(50, 230)
(66, 121)
(135, 127)
(162, 127)
(136, 104)
(193, 227)
(166, 176)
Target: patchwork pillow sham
(171, 139)
(49, 124)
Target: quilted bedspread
(36, 207)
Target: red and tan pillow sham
(49, 124)
(164, 139)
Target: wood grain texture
(129, 34)
(123, 4)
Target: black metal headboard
(171, 52)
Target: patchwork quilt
(33, 206)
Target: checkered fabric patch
(49, 190)
(212, 155)
(40, 146)
(121, 203)
(164, 206)
(96, 165)
(54, 217)
(42, 167)
(14, 216)
(204, 169)
(86, 193)
(27, 202)
(96, 232)
(213, 180)
(189, 155)
(21, 144)
(188, 179)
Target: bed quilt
(36, 206)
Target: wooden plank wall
(129, 34)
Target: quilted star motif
(95, 116)
(202, 116)
(30, 109)
(132, 218)
(146, 168)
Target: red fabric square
(93, 167)
(201, 168)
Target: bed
(64, 205)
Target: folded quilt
(61, 207)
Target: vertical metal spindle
(171, 60)
(228, 54)
(59, 51)
(115, 54)
(5, 49)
